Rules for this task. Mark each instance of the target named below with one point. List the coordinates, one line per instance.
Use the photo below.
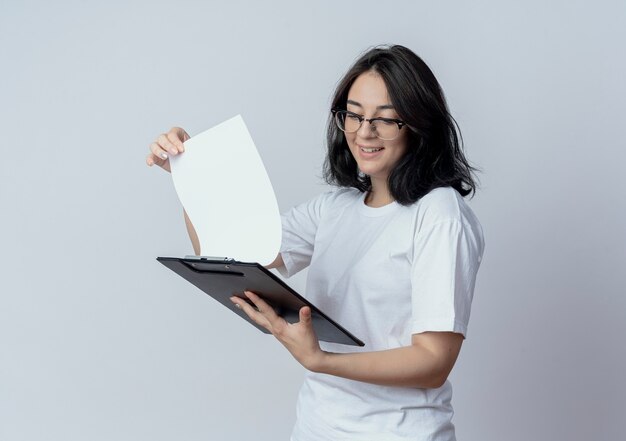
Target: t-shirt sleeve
(446, 258)
(299, 226)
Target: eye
(353, 116)
(385, 122)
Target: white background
(98, 341)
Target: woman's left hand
(299, 338)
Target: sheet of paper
(222, 183)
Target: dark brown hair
(434, 156)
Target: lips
(372, 149)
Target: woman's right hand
(166, 144)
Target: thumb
(305, 315)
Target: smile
(371, 150)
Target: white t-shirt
(384, 274)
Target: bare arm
(278, 262)
(425, 363)
(192, 235)
(166, 144)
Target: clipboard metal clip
(213, 258)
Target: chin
(372, 173)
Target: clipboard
(221, 278)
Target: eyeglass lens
(350, 123)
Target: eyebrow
(383, 107)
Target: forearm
(426, 363)
(192, 235)
(410, 366)
(278, 262)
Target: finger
(174, 138)
(157, 151)
(166, 144)
(180, 133)
(150, 160)
(305, 315)
(256, 316)
(262, 305)
(163, 163)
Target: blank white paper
(222, 183)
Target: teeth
(371, 150)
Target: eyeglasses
(384, 128)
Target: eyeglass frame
(361, 118)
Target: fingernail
(163, 155)
(173, 151)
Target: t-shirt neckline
(375, 211)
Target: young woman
(393, 252)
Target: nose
(366, 130)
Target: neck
(379, 195)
